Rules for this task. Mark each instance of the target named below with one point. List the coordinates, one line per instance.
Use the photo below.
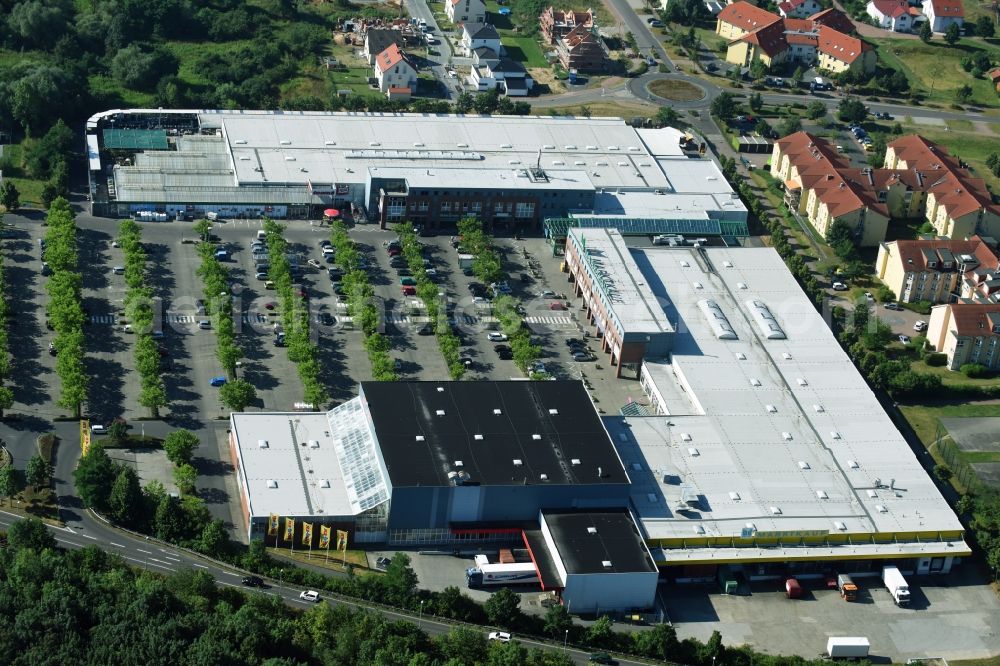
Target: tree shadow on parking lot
(212, 466)
(93, 247)
(25, 333)
(338, 382)
(214, 496)
(159, 267)
(105, 397)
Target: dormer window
(931, 264)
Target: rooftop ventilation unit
(839, 525)
(570, 147)
(240, 142)
(697, 285)
(775, 511)
(285, 142)
(740, 356)
(734, 496)
(543, 477)
(881, 509)
(271, 483)
(727, 264)
(477, 437)
(637, 467)
(872, 494)
(459, 463)
(821, 494)
(622, 437)
(853, 464)
(693, 452)
(686, 437)
(786, 356)
(313, 443)
(497, 412)
(536, 437)
(766, 322)
(803, 465)
(685, 264)
(591, 530)
(698, 529)
(787, 436)
(505, 145)
(819, 408)
(419, 438)
(440, 389)
(439, 412)
(651, 497)
(553, 411)
(834, 434)
(324, 483)
(518, 462)
(741, 285)
(574, 461)
(606, 564)
(262, 443)
(801, 382)
(716, 318)
(771, 409)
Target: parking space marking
(179, 319)
(559, 321)
(255, 318)
(102, 319)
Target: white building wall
(593, 593)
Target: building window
(445, 206)
(476, 207)
(525, 210)
(422, 206)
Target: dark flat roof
(548, 575)
(617, 540)
(546, 425)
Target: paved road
(418, 9)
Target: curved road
(84, 529)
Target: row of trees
(139, 310)
(448, 342)
(65, 311)
(295, 317)
(179, 446)
(361, 303)
(6, 393)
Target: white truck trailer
(847, 647)
(485, 574)
(896, 585)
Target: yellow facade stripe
(808, 558)
(857, 539)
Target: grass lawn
(603, 109)
(710, 40)
(356, 558)
(679, 91)
(924, 419)
(524, 50)
(936, 68)
(953, 378)
(971, 147)
(11, 165)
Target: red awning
(331, 212)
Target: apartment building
(937, 270)
(966, 333)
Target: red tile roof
(770, 38)
(892, 8)
(911, 252)
(949, 8)
(994, 75)
(399, 89)
(835, 19)
(840, 46)
(973, 320)
(390, 57)
(746, 16)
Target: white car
(869, 297)
(905, 339)
(839, 286)
(920, 326)
(98, 430)
(328, 250)
(494, 336)
(309, 595)
(501, 636)
(548, 294)
(314, 263)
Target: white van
(261, 235)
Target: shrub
(974, 370)
(936, 360)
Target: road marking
(71, 543)
(222, 582)
(102, 319)
(116, 545)
(255, 318)
(151, 564)
(562, 321)
(230, 573)
(87, 536)
(175, 559)
(200, 566)
(148, 552)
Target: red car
(394, 251)
(409, 291)
(557, 306)
(792, 589)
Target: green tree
(667, 116)
(180, 445)
(214, 538)
(942, 471)
(10, 197)
(503, 608)
(724, 106)
(952, 34)
(758, 69)
(985, 27)
(660, 642)
(125, 499)
(557, 621)
(37, 471)
(185, 476)
(9, 482)
(238, 394)
(94, 476)
(400, 579)
(756, 102)
(464, 103)
(964, 92)
(202, 227)
(840, 237)
(789, 125)
(6, 399)
(851, 110)
(117, 432)
(30, 533)
(926, 34)
(601, 633)
(153, 394)
(168, 521)
(816, 110)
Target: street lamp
(421, 615)
(281, 576)
(565, 639)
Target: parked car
(217, 381)
(309, 595)
(893, 305)
(383, 562)
(839, 286)
(905, 339)
(504, 352)
(204, 324)
(260, 275)
(98, 430)
(869, 297)
(548, 294)
(407, 281)
(582, 356)
(314, 263)
(409, 290)
(496, 336)
(502, 636)
(325, 243)
(920, 326)
(557, 305)
(269, 285)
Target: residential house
(582, 49)
(895, 15)
(465, 11)
(981, 283)
(798, 8)
(378, 40)
(480, 35)
(505, 75)
(485, 57)
(936, 270)
(958, 205)
(756, 34)
(556, 25)
(966, 333)
(919, 180)
(943, 13)
(396, 74)
(994, 76)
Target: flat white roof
(297, 468)
(472, 177)
(781, 434)
(629, 299)
(668, 205)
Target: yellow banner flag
(341, 540)
(307, 534)
(272, 524)
(289, 529)
(85, 436)
(324, 536)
